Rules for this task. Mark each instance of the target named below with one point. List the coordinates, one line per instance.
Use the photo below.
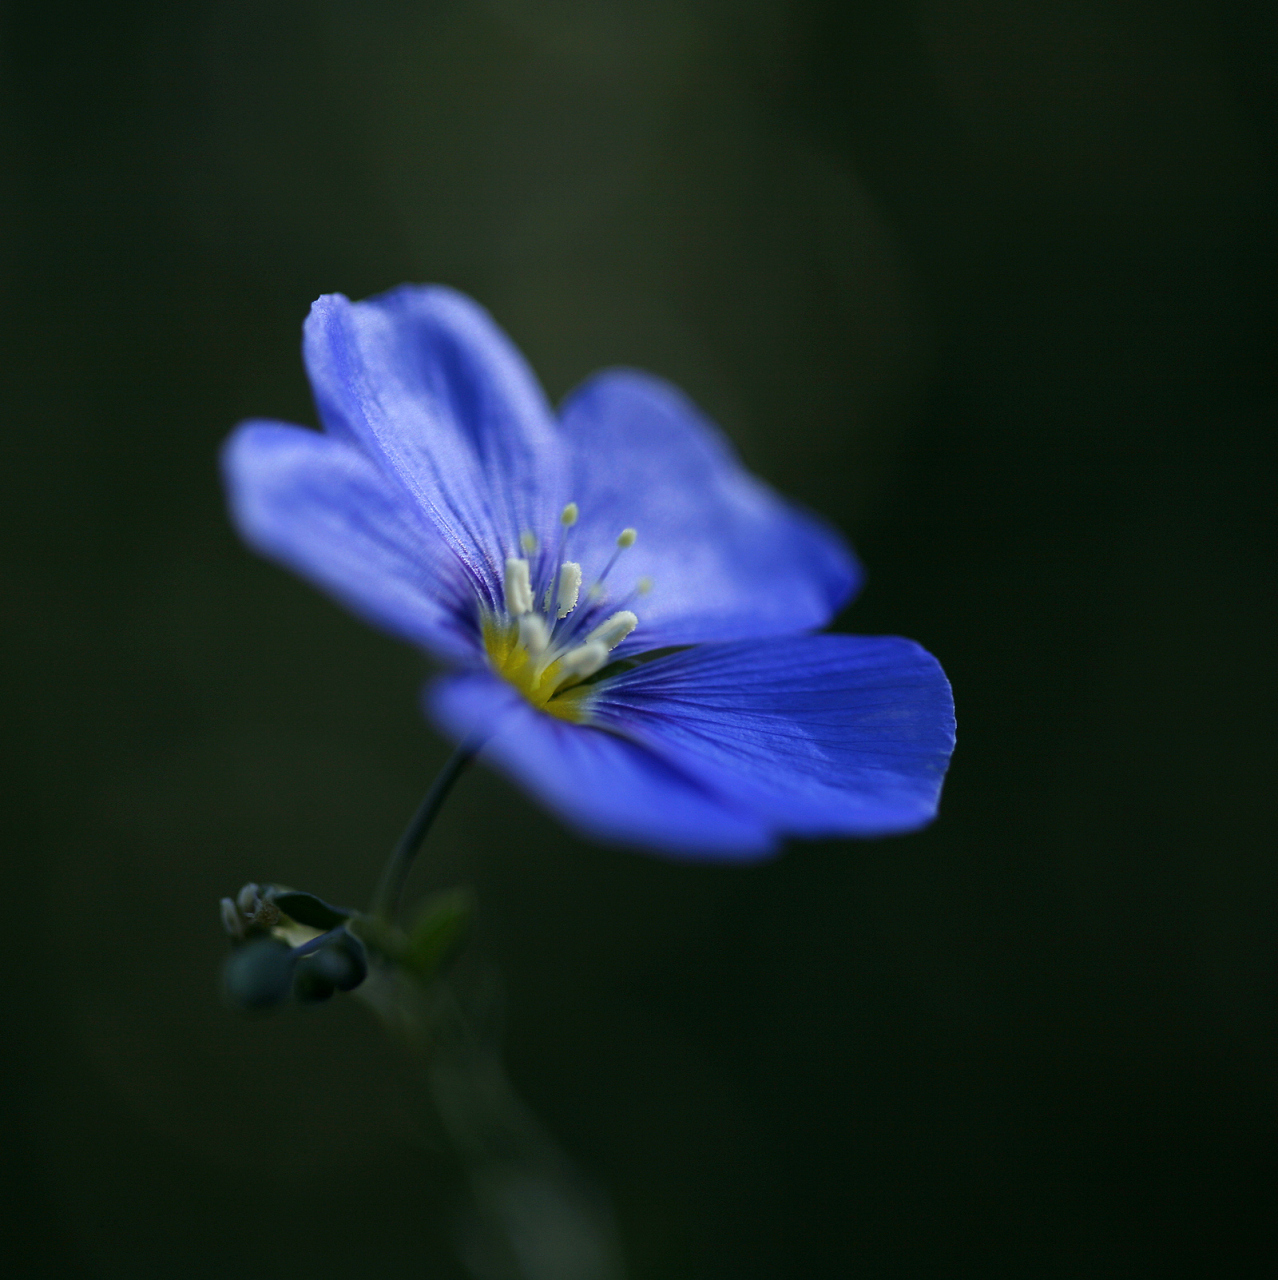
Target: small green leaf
(309, 910)
(376, 934)
(440, 924)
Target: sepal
(307, 909)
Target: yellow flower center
(537, 642)
(552, 689)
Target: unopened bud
(259, 975)
(310, 985)
(343, 962)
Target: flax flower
(628, 614)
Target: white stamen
(519, 599)
(527, 542)
(568, 517)
(584, 660)
(625, 539)
(569, 588)
(615, 630)
(534, 635)
(247, 899)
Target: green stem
(391, 885)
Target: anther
(568, 517)
(584, 660)
(527, 542)
(626, 538)
(615, 630)
(569, 588)
(519, 598)
(534, 635)
(643, 586)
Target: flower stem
(391, 885)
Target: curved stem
(391, 885)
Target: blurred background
(990, 285)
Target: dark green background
(991, 285)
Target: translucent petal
(729, 559)
(814, 735)
(436, 393)
(601, 784)
(322, 508)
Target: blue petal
(815, 735)
(728, 557)
(324, 509)
(601, 784)
(433, 389)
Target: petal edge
(730, 558)
(816, 735)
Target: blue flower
(627, 611)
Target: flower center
(550, 639)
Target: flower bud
(259, 975)
(343, 962)
(310, 985)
